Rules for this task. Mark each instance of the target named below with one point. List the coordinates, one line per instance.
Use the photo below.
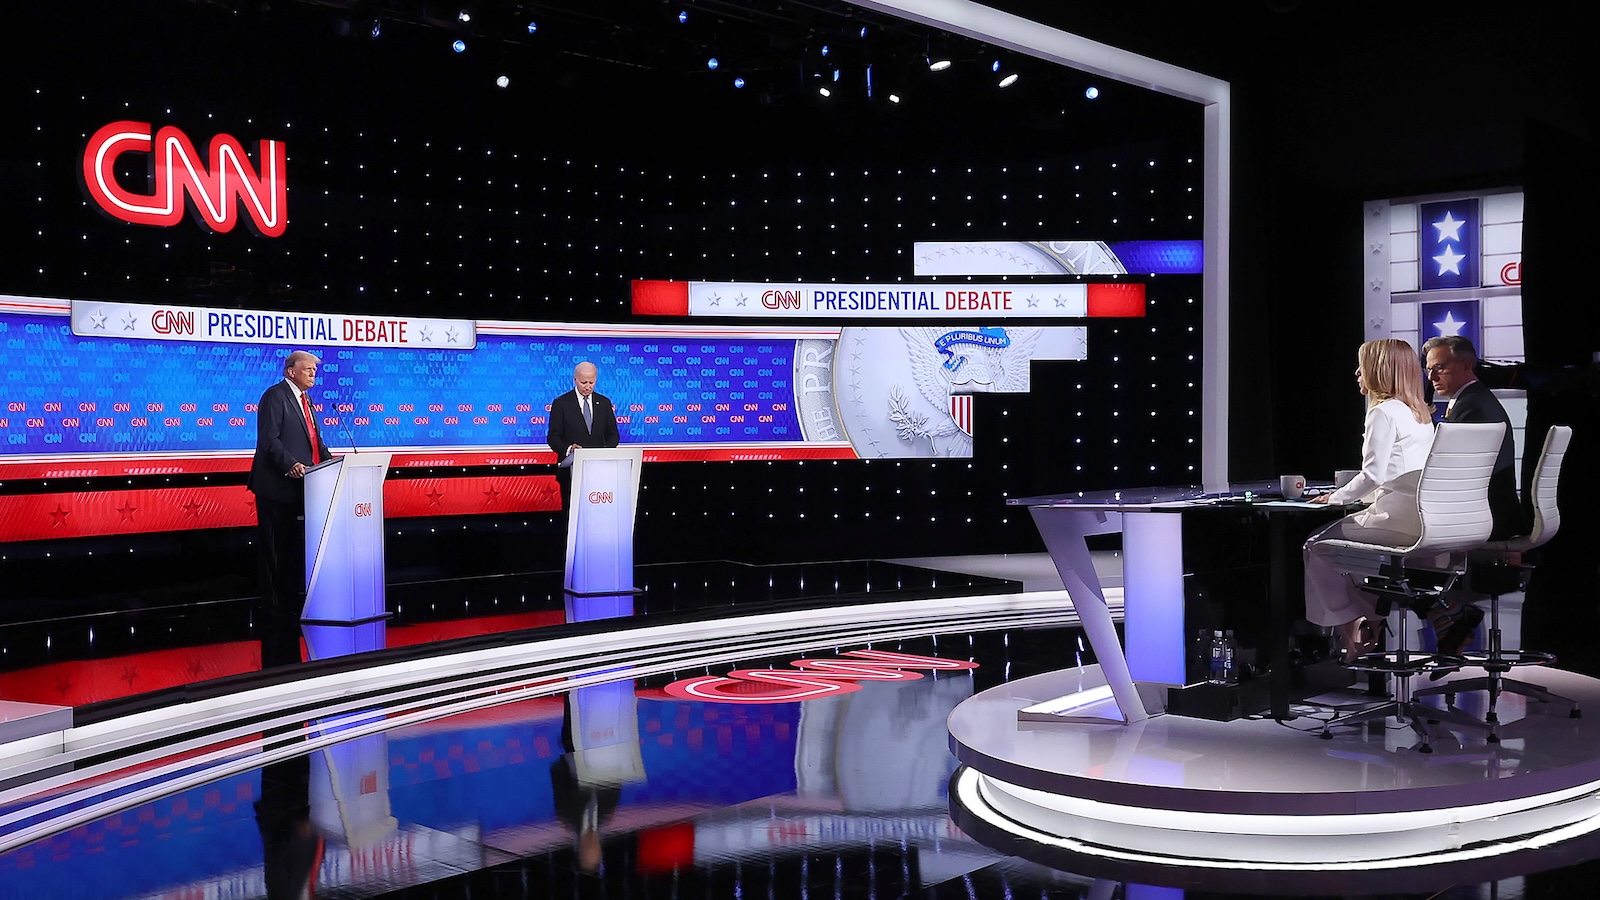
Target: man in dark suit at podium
(580, 418)
(1450, 362)
(287, 444)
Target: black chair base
(1497, 662)
(1402, 664)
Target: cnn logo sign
(213, 187)
(600, 497)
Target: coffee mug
(1293, 486)
(1343, 477)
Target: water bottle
(1217, 659)
(1230, 652)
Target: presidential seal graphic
(908, 392)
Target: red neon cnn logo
(215, 186)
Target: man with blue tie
(1450, 361)
(580, 418)
(287, 444)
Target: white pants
(1332, 574)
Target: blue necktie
(588, 414)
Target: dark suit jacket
(282, 441)
(1476, 403)
(567, 428)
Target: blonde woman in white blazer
(1394, 446)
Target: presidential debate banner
(850, 302)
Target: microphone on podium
(342, 429)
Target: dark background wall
(418, 186)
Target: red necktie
(311, 426)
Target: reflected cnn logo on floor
(811, 678)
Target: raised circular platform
(1263, 795)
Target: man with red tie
(287, 444)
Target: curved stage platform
(1260, 796)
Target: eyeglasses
(1434, 370)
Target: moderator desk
(1157, 623)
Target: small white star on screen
(98, 320)
(1449, 327)
(1449, 228)
(1449, 261)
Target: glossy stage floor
(733, 731)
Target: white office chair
(1486, 577)
(1453, 507)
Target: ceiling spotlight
(825, 92)
(464, 16)
(459, 46)
(824, 49)
(1009, 80)
(533, 27)
(894, 98)
(683, 17)
(738, 82)
(863, 31)
(835, 74)
(712, 63)
(994, 66)
(377, 27)
(502, 81)
(938, 65)
(1092, 93)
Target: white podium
(605, 496)
(344, 540)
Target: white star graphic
(451, 335)
(714, 300)
(97, 320)
(742, 300)
(427, 334)
(1449, 327)
(1449, 228)
(1449, 261)
(128, 322)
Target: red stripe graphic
(1116, 300)
(661, 298)
(421, 459)
(35, 517)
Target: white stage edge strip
(1279, 843)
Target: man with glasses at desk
(1450, 361)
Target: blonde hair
(1391, 369)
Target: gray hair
(1460, 348)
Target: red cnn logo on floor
(213, 188)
